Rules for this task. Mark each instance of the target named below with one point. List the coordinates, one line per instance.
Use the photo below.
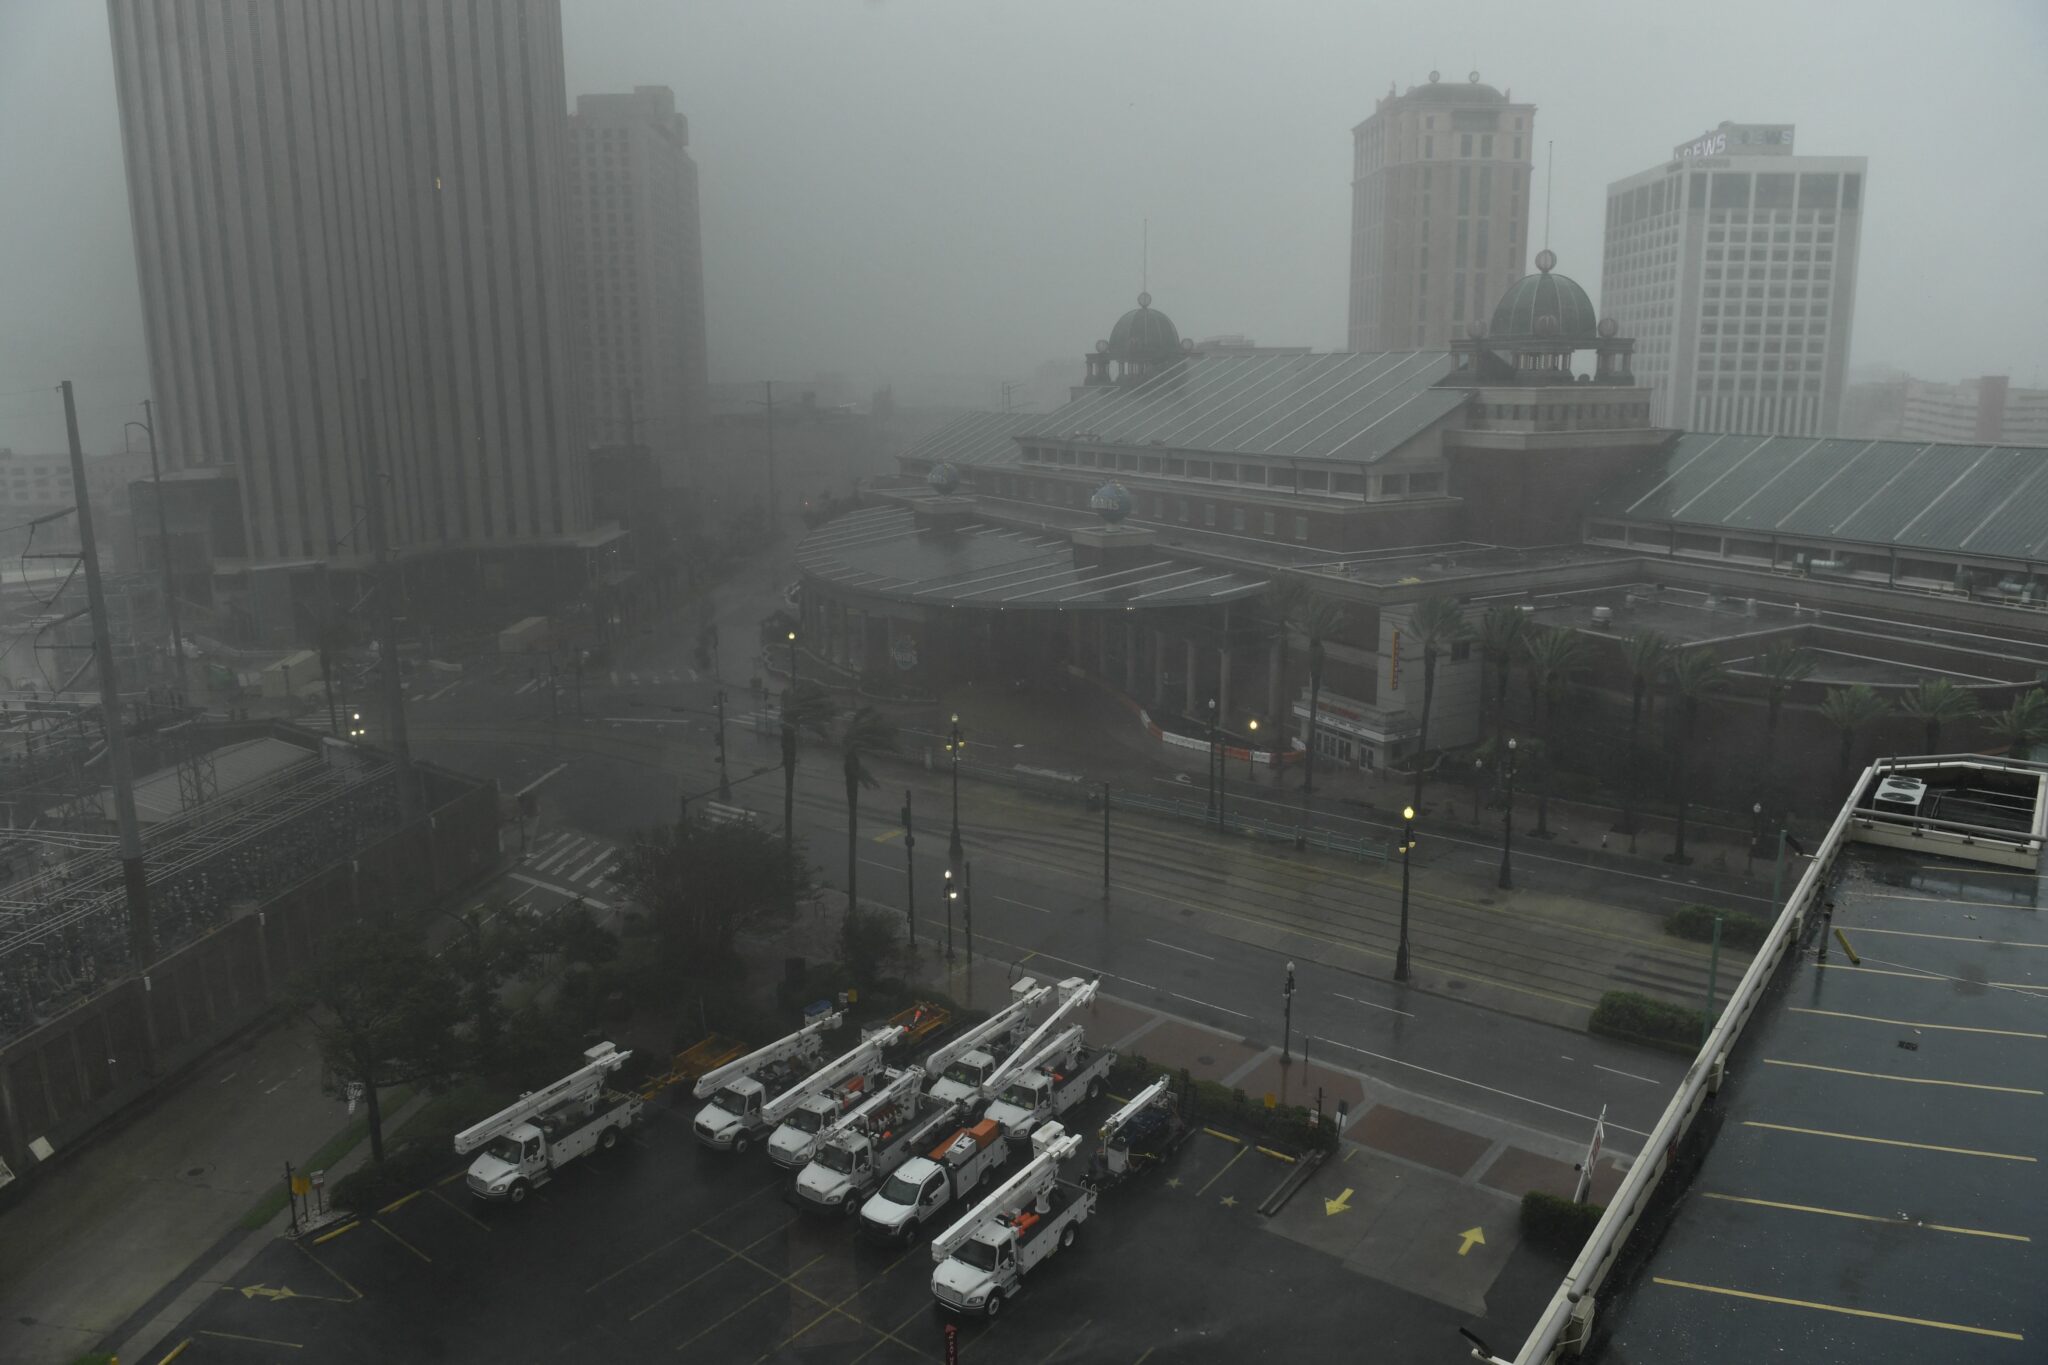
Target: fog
(892, 190)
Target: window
(1818, 191)
(1208, 514)
(1729, 191)
(1237, 519)
(1461, 651)
(1301, 528)
(1180, 507)
(1486, 146)
(1428, 148)
(1271, 521)
(1464, 144)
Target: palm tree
(805, 706)
(1852, 710)
(1437, 624)
(1783, 663)
(1648, 655)
(1500, 634)
(1694, 675)
(866, 732)
(1551, 655)
(1937, 703)
(2023, 723)
(1316, 618)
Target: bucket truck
(1137, 1135)
(963, 1064)
(925, 1184)
(795, 1119)
(866, 1146)
(546, 1128)
(739, 1089)
(1049, 1082)
(983, 1258)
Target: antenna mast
(1549, 171)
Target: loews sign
(1736, 139)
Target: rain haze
(894, 190)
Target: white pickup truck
(923, 1185)
(1045, 1093)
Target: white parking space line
(1371, 1005)
(1476, 1085)
(527, 686)
(1206, 1005)
(1175, 947)
(1024, 904)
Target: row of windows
(1158, 507)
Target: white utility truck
(524, 1142)
(1140, 1134)
(962, 1065)
(738, 1090)
(800, 1114)
(864, 1148)
(925, 1184)
(983, 1258)
(1049, 1082)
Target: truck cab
(988, 1267)
(1032, 1097)
(520, 1154)
(731, 1119)
(963, 1076)
(796, 1140)
(836, 1175)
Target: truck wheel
(1067, 1235)
(518, 1192)
(740, 1144)
(910, 1231)
(848, 1209)
(995, 1303)
(1094, 1089)
(608, 1139)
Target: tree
(1783, 663)
(383, 1009)
(867, 732)
(1317, 618)
(1936, 703)
(1695, 675)
(1852, 710)
(1438, 624)
(1500, 637)
(700, 883)
(1553, 654)
(1648, 655)
(805, 706)
(2022, 724)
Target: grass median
(330, 1151)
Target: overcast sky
(937, 186)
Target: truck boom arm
(990, 1028)
(1047, 1050)
(863, 1055)
(903, 1084)
(585, 1080)
(1141, 1101)
(1074, 993)
(782, 1049)
(1036, 1177)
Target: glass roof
(976, 438)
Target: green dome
(1144, 336)
(1545, 305)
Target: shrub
(411, 1165)
(1557, 1225)
(1286, 1125)
(1739, 929)
(1640, 1019)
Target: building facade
(351, 235)
(640, 271)
(1984, 410)
(1733, 264)
(1439, 212)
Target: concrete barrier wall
(143, 1032)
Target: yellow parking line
(401, 1201)
(1908, 1080)
(451, 1177)
(402, 1242)
(1887, 1142)
(330, 1236)
(1234, 1157)
(1914, 1023)
(1278, 1156)
(1838, 1308)
(1059, 1352)
(176, 1351)
(1225, 1136)
(1864, 1217)
(777, 1284)
(260, 1341)
(458, 1209)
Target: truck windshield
(505, 1149)
(837, 1158)
(900, 1191)
(980, 1255)
(730, 1100)
(1021, 1095)
(806, 1120)
(967, 1073)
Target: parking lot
(663, 1250)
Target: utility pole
(141, 933)
(163, 541)
(768, 427)
(387, 615)
(967, 915)
(1105, 841)
(909, 872)
(724, 785)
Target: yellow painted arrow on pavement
(1473, 1237)
(252, 1291)
(1341, 1204)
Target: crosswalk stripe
(527, 686)
(604, 853)
(559, 855)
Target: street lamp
(952, 898)
(1407, 843)
(1287, 1027)
(953, 747)
(1250, 774)
(1756, 835)
(1478, 780)
(792, 658)
(1507, 820)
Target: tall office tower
(640, 267)
(1733, 264)
(332, 196)
(1440, 212)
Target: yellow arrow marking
(252, 1291)
(1474, 1237)
(1341, 1204)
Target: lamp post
(1250, 773)
(1756, 834)
(724, 785)
(792, 659)
(1212, 758)
(1507, 820)
(952, 898)
(1478, 780)
(953, 747)
(909, 871)
(1407, 843)
(1287, 1014)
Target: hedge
(1739, 929)
(1558, 1225)
(1640, 1019)
(411, 1164)
(1287, 1125)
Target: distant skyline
(896, 189)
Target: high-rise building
(1733, 264)
(1984, 411)
(350, 229)
(639, 262)
(1439, 212)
